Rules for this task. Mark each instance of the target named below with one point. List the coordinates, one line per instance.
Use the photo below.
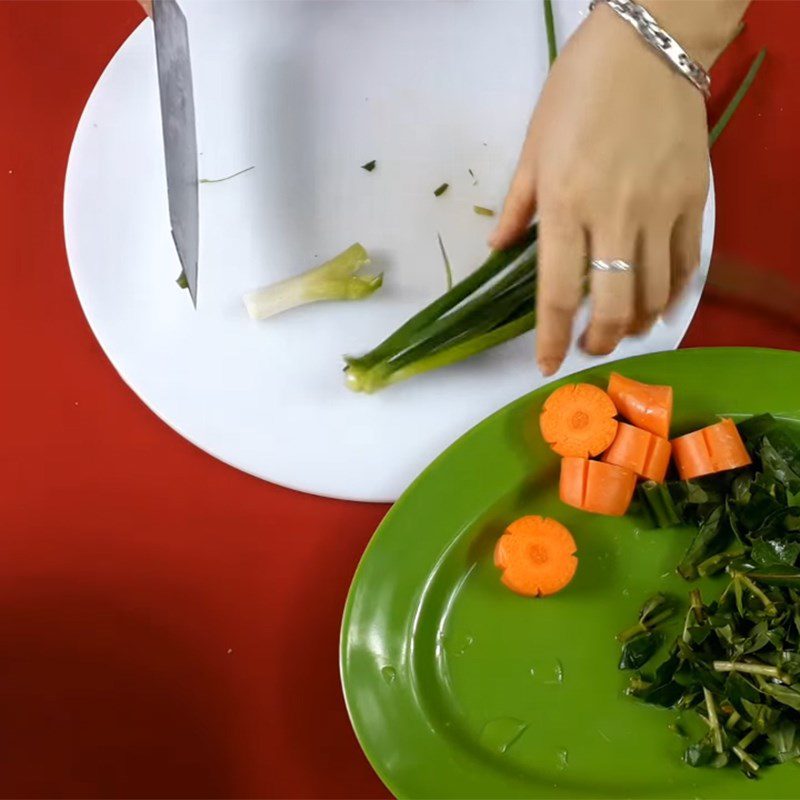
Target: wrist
(702, 27)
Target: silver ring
(617, 265)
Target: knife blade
(180, 134)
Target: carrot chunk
(537, 556)
(640, 451)
(578, 420)
(646, 406)
(716, 448)
(596, 486)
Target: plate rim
(398, 508)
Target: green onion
(488, 307)
(369, 166)
(550, 28)
(744, 87)
(417, 328)
(334, 280)
(484, 212)
(181, 280)
(448, 271)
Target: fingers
(562, 264)
(685, 250)
(147, 5)
(520, 202)
(653, 285)
(613, 293)
(517, 211)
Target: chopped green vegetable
(658, 501)
(736, 662)
(441, 189)
(334, 280)
(448, 271)
(181, 280)
(658, 609)
(227, 177)
(370, 165)
(485, 212)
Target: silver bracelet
(644, 22)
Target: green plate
(457, 687)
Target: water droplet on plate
(563, 759)
(533, 672)
(499, 734)
(559, 671)
(388, 674)
(458, 645)
(626, 592)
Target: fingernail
(547, 366)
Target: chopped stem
(749, 667)
(744, 86)
(745, 758)
(769, 606)
(696, 600)
(747, 740)
(685, 635)
(660, 503)
(733, 719)
(550, 28)
(713, 720)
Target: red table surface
(169, 626)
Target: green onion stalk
(492, 305)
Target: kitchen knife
(180, 136)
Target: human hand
(616, 164)
(147, 5)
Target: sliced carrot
(572, 485)
(726, 446)
(537, 556)
(578, 420)
(646, 406)
(716, 448)
(640, 451)
(596, 486)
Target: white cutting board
(306, 92)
